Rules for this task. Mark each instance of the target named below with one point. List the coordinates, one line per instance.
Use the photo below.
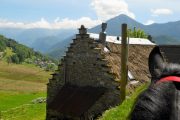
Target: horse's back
(156, 103)
(176, 105)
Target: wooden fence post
(124, 58)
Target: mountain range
(55, 41)
(37, 38)
(168, 30)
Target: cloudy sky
(66, 14)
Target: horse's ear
(156, 62)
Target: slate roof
(171, 53)
(74, 101)
(137, 60)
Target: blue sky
(71, 13)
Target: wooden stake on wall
(124, 58)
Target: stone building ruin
(87, 80)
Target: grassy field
(19, 86)
(26, 112)
(122, 111)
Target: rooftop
(113, 39)
(171, 53)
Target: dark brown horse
(161, 101)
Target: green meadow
(20, 85)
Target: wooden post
(124, 55)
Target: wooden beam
(124, 58)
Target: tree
(51, 67)
(15, 59)
(137, 33)
(8, 53)
(2, 45)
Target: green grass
(22, 78)
(19, 106)
(23, 72)
(19, 85)
(26, 112)
(122, 111)
(11, 99)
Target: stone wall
(85, 65)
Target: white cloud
(67, 23)
(106, 9)
(163, 11)
(149, 22)
(57, 24)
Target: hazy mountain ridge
(59, 49)
(37, 38)
(114, 25)
(165, 33)
(13, 52)
(55, 41)
(170, 29)
(45, 43)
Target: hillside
(170, 29)
(23, 79)
(45, 43)
(37, 38)
(13, 52)
(20, 84)
(166, 40)
(57, 50)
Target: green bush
(137, 33)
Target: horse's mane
(156, 102)
(171, 69)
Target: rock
(39, 100)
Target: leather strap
(170, 78)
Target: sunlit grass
(26, 112)
(19, 85)
(10, 99)
(22, 72)
(122, 111)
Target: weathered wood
(124, 56)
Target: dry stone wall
(85, 65)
